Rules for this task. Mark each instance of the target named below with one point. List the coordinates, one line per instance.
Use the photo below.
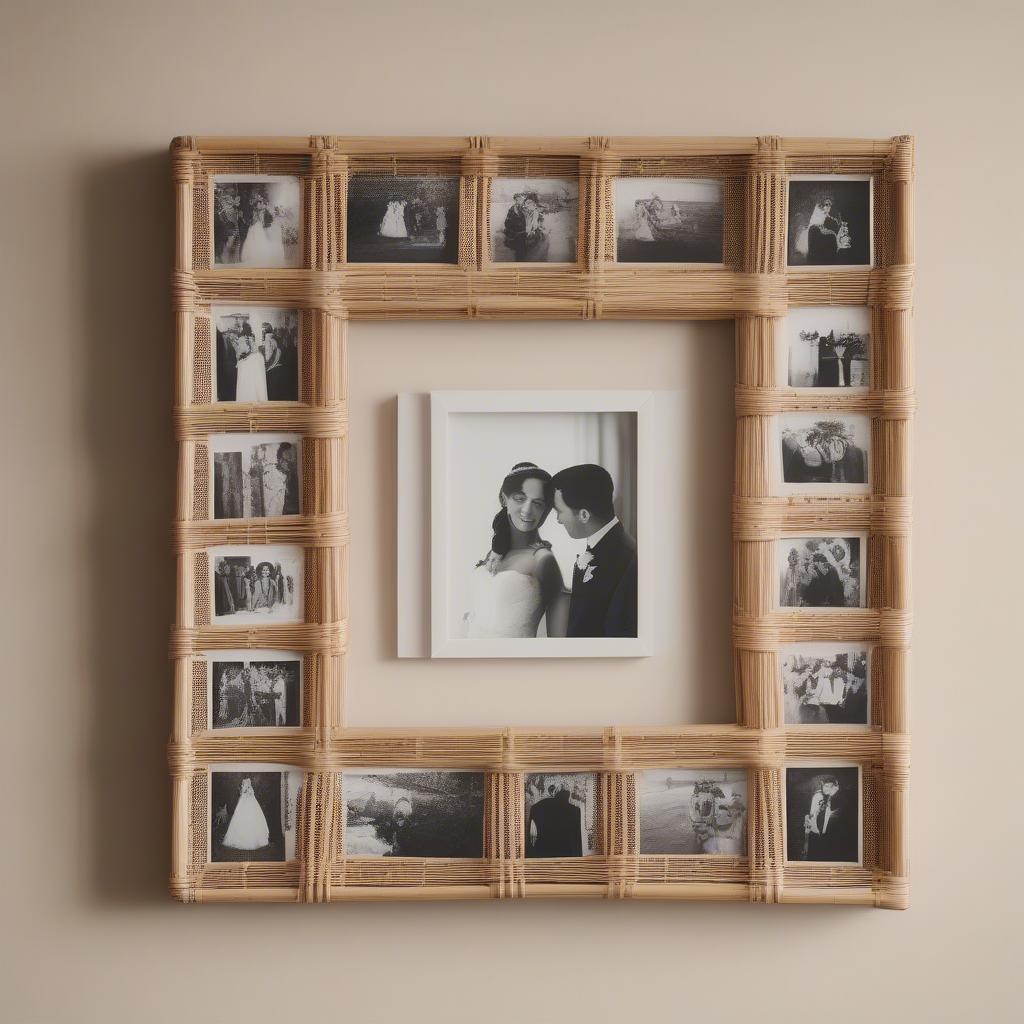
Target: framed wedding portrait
(543, 519)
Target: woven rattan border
(753, 287)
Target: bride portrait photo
(257, 221)
(256, 354)
(252, 812)
(829, 221)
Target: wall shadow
(125, 260)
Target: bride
(248, 829)
(264, 243)
(393, 224)
(250, 367)
(519, 580)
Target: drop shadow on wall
(126, 258)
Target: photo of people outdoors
(534, 220)
(820, 572)
(833, 451)
(255, 476)
(251, 694)
(693, 811)
(826, 688)
(668, 220)
(265, 584)
(257, 221)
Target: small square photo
(254, 689)
(668, 220)
(826, 347)
(257, 221)
(823, 814)
(825, 684)
(252, 812)
(561, 809)
(534, 220)
(256, 476)
(830, 221)
(256, 353)
(821, 572)
(824, 453)
(693, 811)
(257, 582)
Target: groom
(604, 580)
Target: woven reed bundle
(753, 286)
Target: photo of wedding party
(255, 476)
(250, 690)
(820, 572)
(826, 347)
(823, 814)
(534, 220)
(824, 454)
(257, 221)
(560, 814)
(668, 220)
(403, 219)
(258, 582)
(252, 812)
(536, 522)
(693, 811)
(829, 221)
(411, 813)
(823, 685)
(256, 353)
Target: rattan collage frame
(755, 289)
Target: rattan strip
(197, 421)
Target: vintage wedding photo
(257, 221)
(830, 221)
(821, 572)
(255, 476)
(693, 811)
(560, 814)
(403, 220)
(536, 537)
(668, 220)
(251, 689)
(823, 814)
(257, 582)
(824, 453)
(252, 812)
(826, 347)
(410, 813)
(256, 353)
(534, 220)
(825, 684)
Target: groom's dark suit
(605, 604)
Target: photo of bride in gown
(256, 221)
(668, 220)
(256, 354)
(252, 812)
(693, 811)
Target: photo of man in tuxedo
(823, 815)
(603, 601)
(560, 814)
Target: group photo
(692, 811)
(818, 453)
(257, 583)
(252, 812)
(256, 355)
(829, 220)
(560, 814)
(257, 221)
(410, 813)
(534, 220)
(826, 686)
(823, 814)
(255, 476)
(820, 572)
(668, 220)
(826, 347)
(250, 693)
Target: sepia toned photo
(256, 353)
(829, 221)
(534, 220)
(254, 689)
(823, 814)
(411, 813)
(824, 454)
(668, 220)
(820, 572)
(403, 219)
(255, 476)
(825, 684)
(692, 811)
(252, 812)
(826, 347)
(560, 814)
(257, 583)
(257, 221)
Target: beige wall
(91, 95)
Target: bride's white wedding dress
(393, 224)
(263, 246)
(507, 604)
(248, 828)
(251, 381)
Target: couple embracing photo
(518, 584)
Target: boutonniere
(589, 574)
(584, 558)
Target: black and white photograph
(693, 811)
(824, 453)
(403, 219)
(534, 220)
(668, 220)
(257, 583)
(257, 221)
(823, 814)
(535, 527)
(820, 572)
(255, 476)
(252, 689)
(252, 812)
(410, 813)
(560, 814)
(256, 353)
(824, 684)
(826, 347)
(829, 221)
